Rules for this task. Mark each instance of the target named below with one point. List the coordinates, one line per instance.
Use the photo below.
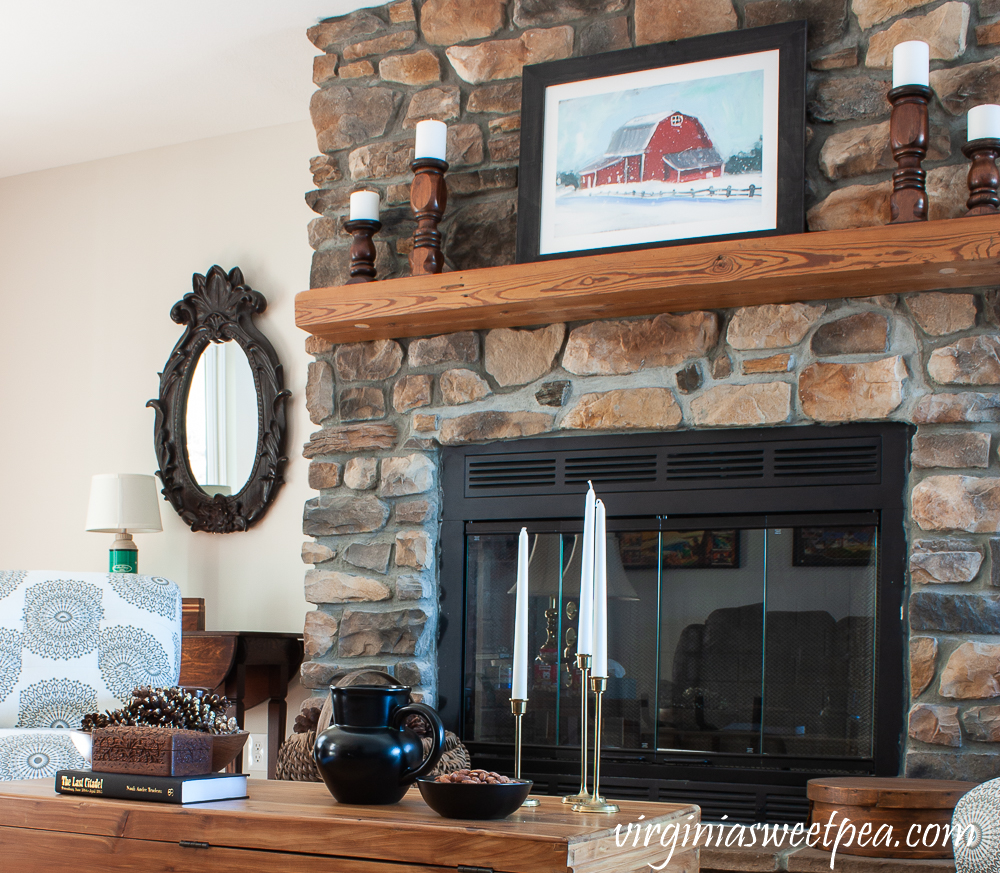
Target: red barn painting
(665, 147)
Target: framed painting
(699, 139)
(833, 546)
(682, 550)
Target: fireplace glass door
(739, 639)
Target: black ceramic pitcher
(366, 755)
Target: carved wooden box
(152, 751)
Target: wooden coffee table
(293, 826)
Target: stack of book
(159, 789)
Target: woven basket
(295, 757)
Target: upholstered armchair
(73, 643)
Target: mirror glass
(221, 419)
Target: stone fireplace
(385, 408)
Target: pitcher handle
(422, 710)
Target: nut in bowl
(474, 794)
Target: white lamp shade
(123, 502)
(619, 588)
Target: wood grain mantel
(861, 262)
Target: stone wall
(384, 407)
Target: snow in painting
(675, 153)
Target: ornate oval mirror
(220, 416)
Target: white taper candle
(519, 682)
(585, 637)
(600, 664)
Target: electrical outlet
(255, 754)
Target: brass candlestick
(362, 249)
(518, 706)
(428, 197)
(908, 135)
(583, 662)
(983, 176)
(597, 803)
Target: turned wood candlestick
(908, 135)
(428, 197)
(983, 176)
(362, 249)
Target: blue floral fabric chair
(73, 643)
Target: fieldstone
(528, 13)
(357, 70)
(462, 347)
(722, 367)
(344, 117)
(421, 445)
(323, 232)
(343, 515)
(872, 12)
(974, 360)
(408, 673)
(864, 333)
(972, 672)
(447, 22)
(667, 20)
(441, 104)
(494, 425)
(381, 160)
(316, 345)
(409, 587)
(413, 511)
(504, 97)
(319, 634)
(743, 405)
(316, 674)
(360, 474)
(369, 556)
(411, 392)
(505, 125)
(330, 268)
(474, 181)
(366, 634)
(604, 348)
(995, 562)
(604, 35)
(504, 58)
(324, 69)
(944, 567)
(401, 12)
(328, 200)
(323, 474)
(463, 386)
(953, 408)
(418, 68)
(933, 610)
(982, 723)
(505, 147)
(838, 60)
(409, 474)
(553, 393)
(957, 503)
(413, 549)
(380, 45)
(967, 449)
(853, 206)
(962, 766)
(827, 18)
(923, 660)
(772, 326)
(324, 171)
(689, 378)
(464, 145)
(852, 98)
(316, 553)
(939, 313)
(374, 361)
(330, 33)
(350, 438)
(935, 723)
(424, 423)
(319, 391)
(989, 8)
(625, 408)
(852, 392)
(482, 234)
(361, 403)
(332, 586)
(864, 150)
(988, 34)
(947, 192)
(961, 88)
(773, 364)
(943, 30)
(516, 357)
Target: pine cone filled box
(151, 751)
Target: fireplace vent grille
(635, 468)
(503, 473)
(716, 464)
(857, 460)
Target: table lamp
(123, 504)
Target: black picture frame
(833, 546)
(788, 39)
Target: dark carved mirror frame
(220, 308)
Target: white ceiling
(88, 79)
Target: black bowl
(469, 800)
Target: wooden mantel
(861, 262)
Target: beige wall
(92, 257)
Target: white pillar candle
(911, 63)
(585, 637)
(364, 205)
(432, 140)
(984, 122)
(519, 681)
(600, 664)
